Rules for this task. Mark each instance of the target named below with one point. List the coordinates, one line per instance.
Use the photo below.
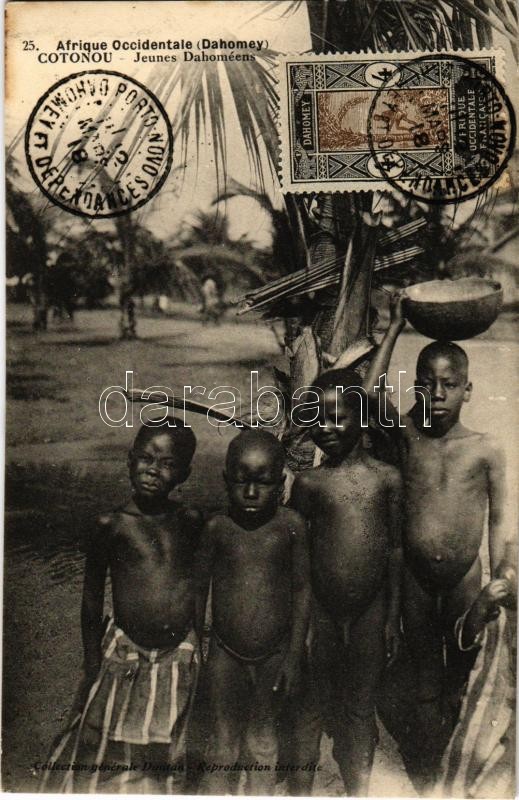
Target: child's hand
(507, 572)
(396, 310)
(493, 595)
(288, 677)
(392, 640)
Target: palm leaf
(289, 245)
(237, 189)
(185, 281)
(255, 98)
(419, 24)
(142, 396)
(202, 88)
(223, 258)
(487, 13)
(273, 5)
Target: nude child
(452, 476)
(257, 558)
(352, 504)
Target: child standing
(452, 475)
(257, 558)
(140, 670)
(352, 504)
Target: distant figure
(141, 668)
(160, 304)
(128, 319)
(163, 303)
(61, 287)
(132, 321)
(212, 305)
(256, 556)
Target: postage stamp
(439, 127)
(99, 143)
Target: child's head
(254, 474)
(338, 427)
(442, 369)
(160, 458)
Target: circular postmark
(98, 143)
(444, 131)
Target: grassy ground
(64, 466)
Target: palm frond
(185, 281)
(255, 97)
(170, 401)
(273, 5)
(224, 259)
(289, 233)
(320, 276)
(237, 189)
(203, 89)
(488, 14)
(423, 24)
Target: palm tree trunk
(29, 228)
(343, 317)
(40, 309)
(346, 238)
(344, 314)
(40, 297)
(128, 321)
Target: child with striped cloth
(128, 733)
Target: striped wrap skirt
(134, 721)
(480, 759)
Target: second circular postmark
(441, 128)
(99, 143)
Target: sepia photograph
(261, 449)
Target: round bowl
(452, 310)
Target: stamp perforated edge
(283, 117)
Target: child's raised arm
(380, 362)
(93, 598)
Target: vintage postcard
(261, 423)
